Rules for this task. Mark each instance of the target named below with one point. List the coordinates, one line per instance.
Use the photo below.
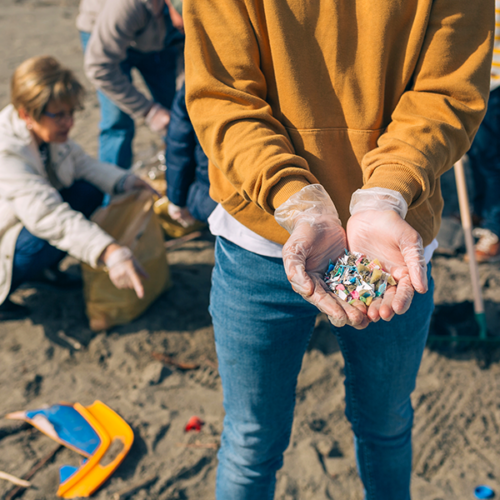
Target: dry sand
(457, 437)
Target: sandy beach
(457, 399)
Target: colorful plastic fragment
(355, 277)
(92, 431)
(194, 424)
(483, 492)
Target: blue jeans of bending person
(33, 254)
(116, 127)
(484, 156)
(262, 329)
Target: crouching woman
(49, 188)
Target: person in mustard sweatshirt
(327, 124)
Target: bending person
(117, 36)
(49, 187)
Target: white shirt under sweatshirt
(223, 224)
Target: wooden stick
(129, 491)
(38, 465)
(168, 360)
(14, 479)
(172, 244)
(463, 201)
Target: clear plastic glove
(180, 215)
(125, 271)
(377, 229)
(157, 118)
(316, 236)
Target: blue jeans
(187, 165)
(262, 329)
(116, 127)
(484, 156)
(33, 254)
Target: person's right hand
(157, 118)
(123, 268)
(316, 236)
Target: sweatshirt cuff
(397, 178)
(285, 188)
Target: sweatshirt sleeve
(113, 33)
(226, 99)
(437, 117)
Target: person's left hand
(134, 183)
(384, 235)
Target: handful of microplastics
(355, 277)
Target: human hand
(377, 229)
(157, 118)
(123, 268)
(175, 17)
(180, 215)
(316, 236)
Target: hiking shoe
(10, 311)
(488, 246)
(53, 279)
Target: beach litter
(15, 480)
(483, 491)
(39, 464)
(169, 360)
(355, 277)
(194, 424)
(96, 432)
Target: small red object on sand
(194, 424)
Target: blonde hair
(41, 79)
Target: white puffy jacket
(27, 199)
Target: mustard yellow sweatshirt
(347, 93)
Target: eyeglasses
(61, 116)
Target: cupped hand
(316, 236)
(306, 255)
(384, 235)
